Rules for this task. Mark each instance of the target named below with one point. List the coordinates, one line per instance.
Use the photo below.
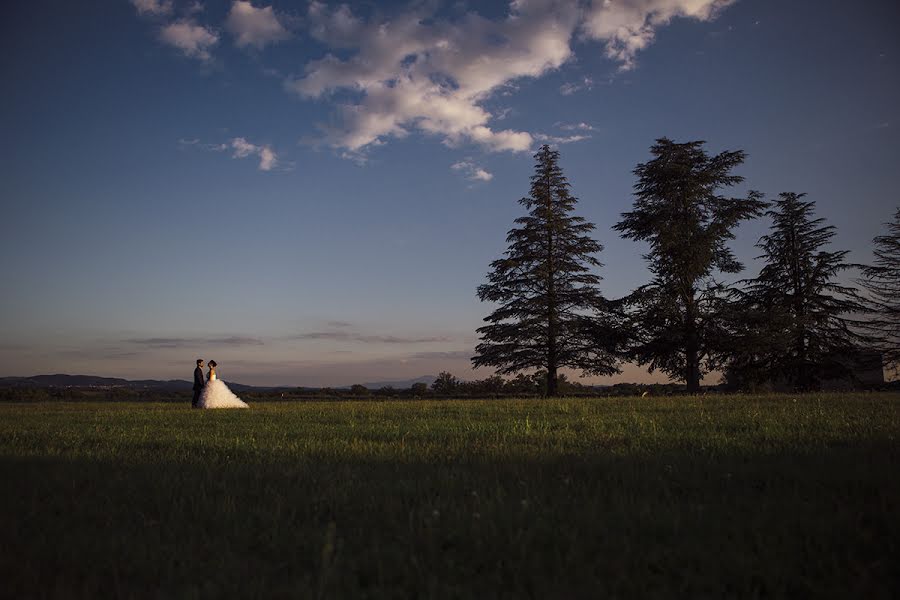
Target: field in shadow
(441, 513)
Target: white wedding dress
(216, 394)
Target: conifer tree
(551, 313)
(882, 281)
(798, 325)
(677, 318)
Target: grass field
(741, 496)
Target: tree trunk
(691, 353)
(552, 390)
(551, 300)
(692, 375)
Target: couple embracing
(211, 392)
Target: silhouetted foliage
(564, 386)
(676, 319)
(419, 389)
(521, 385)
(359, 390)
(445, 384)
(793, 319)
(882, 281)
(551, 311)
(492, 386)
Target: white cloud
(153, 7)
(254, 26)
(628, 26)
(242, 149)
(472, 171)
(193, 40)
(417, 73)
(267, 159)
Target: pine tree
(798, 327)
(551, 312)
(677, 317)
(882, 281)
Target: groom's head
(200, 362)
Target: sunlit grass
(731, 495)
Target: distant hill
(61, 380)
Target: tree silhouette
(551, 311)
(677, 318)
(419, 388)
(797, 325)
(882, 281)
(445, 384)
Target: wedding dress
(216, 394)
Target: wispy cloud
(241, 148)
(471, 171)
(569, 88)
(575, 126)
(267, 157)
(176, 342)
(337, 324)
(351, 336)
(153, 7)
(193, 40)
(254, 26)
(559, 140)
(447, 355)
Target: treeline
(793, 326)
(522, 386)
(445, 387)
(27, 393)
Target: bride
(216, 394)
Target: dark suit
(198, 386)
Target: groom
(198, 382)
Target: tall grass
(744, 496)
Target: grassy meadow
(716, 496)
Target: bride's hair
(212, 363)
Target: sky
(310, 193)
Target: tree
(797, 327)
(551, 311)
(419, 389)
(522, 385)
(359, 390)
(676, 318)
(882, 281)
(445, 384)
(492, 386)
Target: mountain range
(63, 380)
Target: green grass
(742, 496)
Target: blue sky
(311, 192)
